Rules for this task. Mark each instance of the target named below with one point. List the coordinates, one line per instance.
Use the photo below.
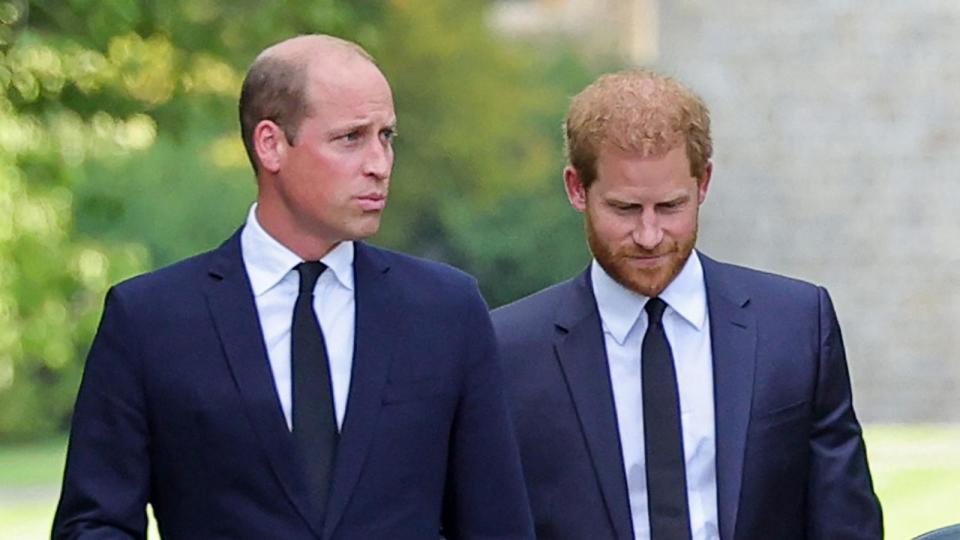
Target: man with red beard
(668, 396)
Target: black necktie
(666, 475)
(314, 422)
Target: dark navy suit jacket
(178, 408)
(790, 458)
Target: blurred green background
(120, 152)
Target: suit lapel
(231, 303)
(376, 323)
(733, 333)
(582, 355)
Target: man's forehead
(350, 83)
(334, 70)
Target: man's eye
(672, 205)
(388, 134)
(352, 136)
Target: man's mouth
(372, 202)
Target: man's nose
(648, 233)
(379, 160)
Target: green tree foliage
(120, 152)
(478, 176)
(51, 280)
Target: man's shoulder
(418, 273)
(544, 300)
(756, 283)
(179, 276)
(537, 309)
(406, 262)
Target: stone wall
(837, 136)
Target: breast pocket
(780, 416)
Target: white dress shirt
(687, 325)
(276, 283)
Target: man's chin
(365, 229)
(646, 283)
(649, 288)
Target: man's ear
(704, 182)
(270, 144)
(576, 191)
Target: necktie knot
(309, 273)
(655, 307)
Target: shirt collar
(620, 307)
(268, 261)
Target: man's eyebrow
(680, 197)
(360, 124)
(350, 126)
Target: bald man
(296, 382)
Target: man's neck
(307, 247)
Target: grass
(29, 484)
(32, 464)
(30, 477)
(916, 472)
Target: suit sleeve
(841, 500)
(107, 475)
(485, 494)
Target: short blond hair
(640, 111)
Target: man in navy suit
(296, 382)
(662, 394)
